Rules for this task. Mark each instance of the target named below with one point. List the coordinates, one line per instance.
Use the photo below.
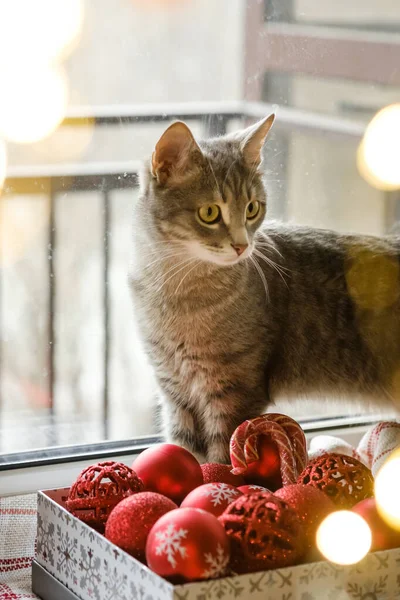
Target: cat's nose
(239, 248)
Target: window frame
(55, 466)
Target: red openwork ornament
(265, 533)
(343, 478)
(98, 489)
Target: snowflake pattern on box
(115, 583)
(45, 545)
(170, 543)
(67, 548)
(90, 569)
(85, 562)
(220, 492)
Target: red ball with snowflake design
(252, 489)
(188, 544)
(213, 497)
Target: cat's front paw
(218, 454)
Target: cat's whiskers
(268, 247)
(163, 258)
(160, 276)
(188, 273)
(185, 264)
(271, 264)
(253, 260)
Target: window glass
(87, 89)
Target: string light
(387, 490)
(32, 105)
(379, 151)
(344, 537)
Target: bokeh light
(38, 32)
(387, 490)
(378, 154)
(3, 163)
(344, 537)
(32, 104)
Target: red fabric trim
(6, 593)
(15, 564)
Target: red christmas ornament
(383, 536)
(265, 533)
(98, 489)
(188, 544)
(217, 473)
(269, 450)
(212, 497)
(343, 478)
(251, 489)
(311, 505)
(131, 520)
(169, 470)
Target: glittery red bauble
(188, 544)
(169, 470)
(98, 489)
(213, 497)
(265, 533)
(311, 505)
(130, 522)
(252, 489)
(383, 536)
(343, 478)
(217, 473)
(267, 470)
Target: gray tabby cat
(234, 310)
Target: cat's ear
(175, 155)
(253, 139)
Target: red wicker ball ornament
(343, 478)
(130, 522)
(311, 505)
(212, 497)
(169, 470)
(217, 473)
(188, 544)
(98, 489)
(384, 537)
(265, 533)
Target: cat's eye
(252, 210)
(209, 213)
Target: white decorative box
(89, 567)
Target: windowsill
(46, 469)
